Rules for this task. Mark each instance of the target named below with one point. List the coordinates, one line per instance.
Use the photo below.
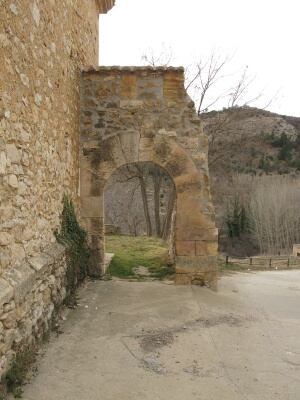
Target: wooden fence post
(288, 262)
(250, 260)
(227, 258)
(270, 262)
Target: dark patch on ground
(155, 340)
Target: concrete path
(142, 341)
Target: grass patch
(131, 252)
(223, 267)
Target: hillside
(252, 141)
(247, 146)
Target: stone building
(44, 46)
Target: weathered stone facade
(30, 294)
(41, 55)
(143, 114)
(43, 46)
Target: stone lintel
(194, 264)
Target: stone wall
(143, 114)
(30, 294)
(43, 46)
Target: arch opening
(139, 220)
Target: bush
(282, 141)
(264, 164)
(285, 153)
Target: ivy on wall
(74, 238)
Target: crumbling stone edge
(31, 295)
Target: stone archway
(131, 115)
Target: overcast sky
(261, 34)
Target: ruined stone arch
(131, 115)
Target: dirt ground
(158, 341)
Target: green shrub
(285, 153)
(282, 141)
(264, 164)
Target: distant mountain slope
(252, 141)
(244, 143)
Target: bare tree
(162, 58)
(275, 214)
(273, 218)
(142, 186)
(204, 76)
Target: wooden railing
(265, 262)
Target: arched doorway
(139, 221)
(133, 115)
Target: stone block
(129, 144)
(174, 86)
(41, 263)
(91, 207)
(5, 238)
(204, 248)
(128, 86)
(95, 226)
(149, 88)
(56, 251)
(182, 279)
(187, 264)
(6, 292)
(131, 104)
(13, 153)
(185, 248)
(22, 279)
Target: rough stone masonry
(143, 114)
(44, 44)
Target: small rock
(141, 271)
(37, 99)
(5, 238)
(35, 12)
(3, 163)
(13, 153)
(13, 9)
(24, 79)
(13, 181)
